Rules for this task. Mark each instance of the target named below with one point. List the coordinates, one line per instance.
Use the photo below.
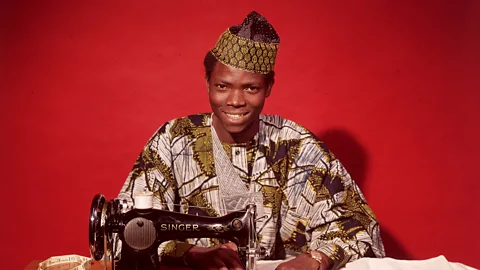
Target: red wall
(391, 86)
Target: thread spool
(144, 200)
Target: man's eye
(221, 86)
(251, 89)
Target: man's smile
(235, 116)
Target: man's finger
(219, 264)
(230, 245)
(235, 265)
(232, 260)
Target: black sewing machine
(141, 231)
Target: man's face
(237, 98)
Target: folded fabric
(437, 263)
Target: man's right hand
(223, 257)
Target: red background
(391, 86)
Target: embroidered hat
(250, 46)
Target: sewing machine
(142, 229)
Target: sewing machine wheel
(96, 229)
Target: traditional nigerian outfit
(310, 200)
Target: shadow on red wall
(355, 159)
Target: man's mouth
(236, 115)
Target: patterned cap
(250, 46)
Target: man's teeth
(235, 116)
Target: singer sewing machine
(142, 229)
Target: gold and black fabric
(310, 199)
(250, 46)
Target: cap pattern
(245, 54)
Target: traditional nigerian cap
(250, 46)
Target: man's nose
(236, 98)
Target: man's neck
(235, 138)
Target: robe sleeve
(339, 223)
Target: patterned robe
(309, 198)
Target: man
(202, 163)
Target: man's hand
(305, 262)
(221, 257)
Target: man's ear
(269, 90)
(207, 84)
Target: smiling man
(237, 98)
(199, 164)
